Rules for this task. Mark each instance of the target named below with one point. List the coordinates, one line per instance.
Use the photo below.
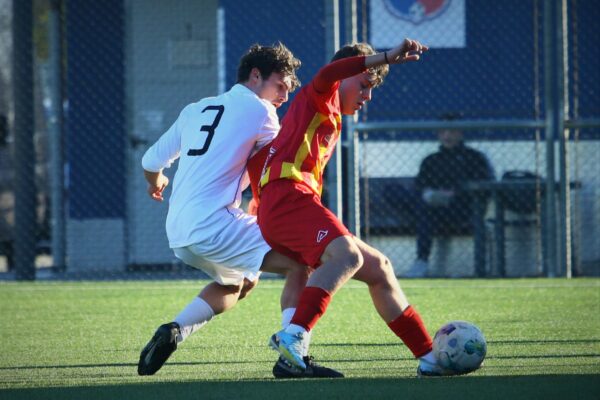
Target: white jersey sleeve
(270, 129)
(165, 151)
(213, 139)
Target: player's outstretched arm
(408, 50)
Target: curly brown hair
(269, 59)
(363, 49)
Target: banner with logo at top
(436, 23)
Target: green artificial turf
(82, 340)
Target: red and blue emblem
(417, 11)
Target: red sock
(410, 328)
(312, 304)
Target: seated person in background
(441, 202)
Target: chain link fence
(427, 199)
(86, 87)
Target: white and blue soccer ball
(460, 347)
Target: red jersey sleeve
(255, 166)
(329, 75)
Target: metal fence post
(24, 184)
(56, 138)
(352, 174)
(350, 144)
(564, 238)
(334, 170)
(554, 81)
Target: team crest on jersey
(321, 235)
(417, 11)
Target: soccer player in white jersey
(213, 139)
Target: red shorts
(295, 223)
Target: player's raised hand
(409, 50)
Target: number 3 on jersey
(210, 129)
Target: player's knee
(232, 289)
(299, 274)
(383, 273)
(344, 253)
(385, 265)
(353, 258)
(247, 288)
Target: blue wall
(300, 25)
(588, 53)
(95, 122)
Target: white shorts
(236, 251)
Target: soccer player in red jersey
(295, 223)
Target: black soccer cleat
(283, 369)
(158, 349)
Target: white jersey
(214, 139)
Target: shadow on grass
(545, 387)
(211, 346)
(323, 360)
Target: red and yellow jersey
(254, 167)
(311, 128)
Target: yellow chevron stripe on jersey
(289, 170)
(294, 171)
(264, 179)
(308, 138)
(323, 149)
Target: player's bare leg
(377, 272)
(221, 298)
(393, 307)
(340, 261)
(296, 275)
(247, 288)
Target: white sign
(436, 23)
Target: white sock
(294, 329)
(306, 342)
(429, 357)
(193, 317)
(286, 316)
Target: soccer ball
(459, 347)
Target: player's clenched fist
(409, 50)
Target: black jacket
(450, 169)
